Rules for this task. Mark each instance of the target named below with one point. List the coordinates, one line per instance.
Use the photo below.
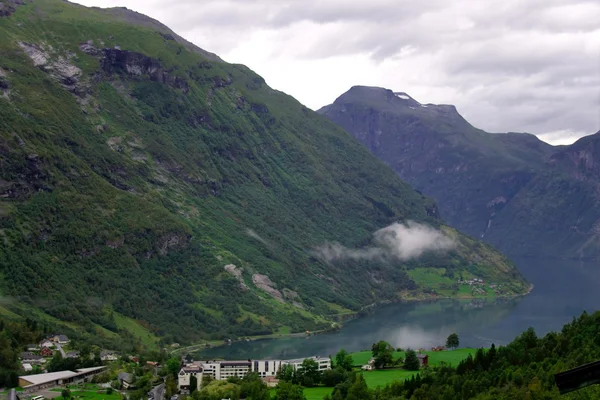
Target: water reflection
(562, 290)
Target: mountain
(520, 194)
(150, 191)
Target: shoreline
(347, 317)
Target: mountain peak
(377, 97)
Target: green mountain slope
(508, 188)
(146, 183)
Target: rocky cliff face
(486, 185)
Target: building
(125, 380)
(27, 367)
(270, 381)
(266, 368)
(46, 344)
(33, 347)
(222, 370)
(62, 339)
(423, 360)
(185, 377)
(46, 352)
(72, 354)
(107, 355)
(34, 383)
(31, 358)
(323, 362)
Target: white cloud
(515, 65)
(398, 241)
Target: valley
(154, 194)
(173, 227)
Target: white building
(222, 370)
(185, 376)
(323, 362)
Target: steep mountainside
(515, 191)
(149, 188)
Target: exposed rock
(137, 64)
(115, 243)
(37, 55)
(171, 240)
(290, 294)
(60, 68)
(115, 143)
(8, 7)
(264, 283)
(237, 273)
(88, 48)
(4, 85)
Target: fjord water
(563, 290)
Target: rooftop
(85, 370)
(39, 379)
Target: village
(478, 286)
(110, 375)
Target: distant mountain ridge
(514, 190)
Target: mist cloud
(398, 241)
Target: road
(159, 392)
(59, 347)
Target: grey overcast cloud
(511, 65)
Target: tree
(65, 393)
(170, 385)
(252, 387)
(452, 342)
(288, 391)
(173, 366)
(332, 377)
(359, 390)
(309, 373)
(193, 384)
(411, 362)
(344, 360)
(382, 353)
(286, 373)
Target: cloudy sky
(511, 65)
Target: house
(30, 358)
(107, 355)
(46, 343)
(72, 354)
(423, 360)
(184, 378)
(126, 380)
(33, 347)
(46, 352)
(62, 339)
(270, 381)
(27, 367)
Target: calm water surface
(563, 289)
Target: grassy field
(317, 393)
(147, 338)
(90, 392)
(452, 357)
(384, 377)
